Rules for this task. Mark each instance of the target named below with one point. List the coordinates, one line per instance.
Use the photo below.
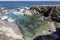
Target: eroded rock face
(9, 31)
(52, 12)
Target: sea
(14, 4)
(21, 4)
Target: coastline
(46, 22)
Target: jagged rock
(9, 31)
(53, 12)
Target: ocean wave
(20, 12)
(11, 20)
(4, 17)
(12, 14)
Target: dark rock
(48, 11)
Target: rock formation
(9, 31)
(51, 12)
(32, 26)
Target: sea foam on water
(11, 20)
(4, 17)
(18, 12)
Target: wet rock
(3, 11)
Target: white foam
(4, 17)
(2, 8)
(11, 20)
(19, 13)
(26, 7)
(21, 10)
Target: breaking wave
(12, 14)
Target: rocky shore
(41, 20)
(9, 31)
(50, 13)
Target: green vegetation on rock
(32, 25)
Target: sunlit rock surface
(9, 31)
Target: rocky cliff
(50, 13)
(9, 31)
